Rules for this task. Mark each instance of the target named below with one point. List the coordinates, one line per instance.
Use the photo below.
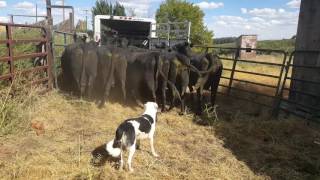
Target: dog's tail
(114, 146)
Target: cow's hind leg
(200, 100)
(215, 85)
(163, 91)
(172, 78)
(151, 86)
(121, 75)
(90, 86)
(184, 85)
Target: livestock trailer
(140, 32)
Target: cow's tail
(175, 91)
(183, 59)
(114, 146)
(214, 68)
(82, 80)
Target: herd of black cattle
(92, 71)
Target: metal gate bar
(11, 58)
(55, 57)
(309, 111)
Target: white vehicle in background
(140, 32)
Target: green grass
(226, 45)
(285, 44)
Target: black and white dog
(131, 131)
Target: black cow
(89, 68)
(79, 64)
(115, 69)
(71, 64)
(174, 65)
(105, 74)
(210, 67)
(177, 67)
(143, 73)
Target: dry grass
(16, 101)
(233, 148)
(256, 68)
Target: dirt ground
(237, 146)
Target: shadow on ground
(280, 149)
(100, 156)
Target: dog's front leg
(132, 149)
(152, 148)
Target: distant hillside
(284, 44)
(225, 40)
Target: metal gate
(170, 33)
(60, 40)
(9, 40)
(287, 102)
(244, 77)
(280, 91)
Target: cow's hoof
(199, 113)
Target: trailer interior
(136, 32)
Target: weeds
(209, 116)
(16, 102)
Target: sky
(269, 19)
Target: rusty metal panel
(11, 58)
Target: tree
(181, 10)
(103, 7)
(119, 10)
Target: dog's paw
(155, 155)
(131, 170)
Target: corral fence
(11, 58)
(60, 40)
(299, 95)
(265, 81)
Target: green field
(285, 44)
